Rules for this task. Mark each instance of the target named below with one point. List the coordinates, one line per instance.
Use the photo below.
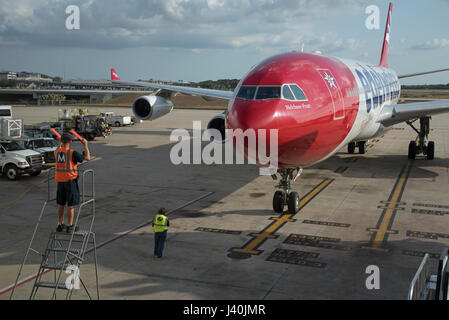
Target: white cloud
(433, 44)
(364, 55)
(189, 24)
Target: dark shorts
(68, 193)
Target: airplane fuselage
(317, 103)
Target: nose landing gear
(285, 196)
(360, 145)
(419, 146)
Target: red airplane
(317, 103)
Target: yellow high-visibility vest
(160, 223)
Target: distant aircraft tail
(114, 75)
(384, 55)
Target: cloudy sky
(195, 40)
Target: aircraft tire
(430, 150)
(293, 202)
(278, 201)
(351, 147)
(361, 146)
(412, 150)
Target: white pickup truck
(117, 121)
(15, 160)
(45, 146)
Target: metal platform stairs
(427, 286)
(65, 252)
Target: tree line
(426, 87)
(222, 84)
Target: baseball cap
(66, 137)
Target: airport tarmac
(224, 241)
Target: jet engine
(151, 107)
(218, 122)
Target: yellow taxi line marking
(386, 220)
(341, 169)
(12, 203)
(259, 238)
(268, 233)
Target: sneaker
(60, 227)
(70, 229)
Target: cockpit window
(268, 93)
(299, 94)
(287, 94)
(247, 92)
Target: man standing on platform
(66, 176)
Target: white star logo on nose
(330, 80)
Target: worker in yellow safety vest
(160, 226)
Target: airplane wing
(396, 113)
(421, 73)
(219, 94)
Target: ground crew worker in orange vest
(160, 226)
(66, 176)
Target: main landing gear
(285, 196)
(359, 144)
(419, 146)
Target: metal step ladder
(65, 252)
(427, 286)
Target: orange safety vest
(66, 170)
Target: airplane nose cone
(254, 118)
(246, 115)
